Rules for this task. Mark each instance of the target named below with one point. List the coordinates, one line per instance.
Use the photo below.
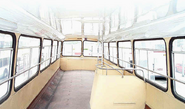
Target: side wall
(156, 98)
(23, 97)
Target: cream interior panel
(158, 99)
(110, 63)
(78, 63)
(23, 97)
(109, 72)
(115, 92)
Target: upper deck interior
(98, 54)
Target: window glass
(1, 62)
(54, 51)
(179, 66)
(91, 48)
(106, 51)
(71, 26)
(66, 27)
(115, 20)
(91, 28)
(27, 57)
(127, 15)
(107, 25)
(151, 10)
(46, 54)
(59, 49)
(125, 53)
(113, 52)
(44, 13)
(5, 62)
(71, 48)
(180, 5)
(151, 54)
(76, 27)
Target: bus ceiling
(103, 20)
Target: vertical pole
(147, 63)
(139, 60)
(98, 43)
(30, 62)
(91, 50)
(122, 56)
(82, 26)
(183, 66)
(102, 51)
(72, 50)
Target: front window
(72, 48)
(91, 48)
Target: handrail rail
(109, 69)
(6, 80)
(150, 70)
(113, 68)
(117, 69)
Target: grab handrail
(150, 70)
(117, 69)
(6, 80)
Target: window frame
(117, 52)
(52, 51)
(131, 51)
(83, 48)
(36, 74)
(148, 81)
(71, 55)
(177, 96)
(6, 96)
(41, 55)
(104, 51)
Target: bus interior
(92, 54)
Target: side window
(27, 57)
(59, 50)
(113, 52)
(54, 51)
(72, 48)
(5, 61)
(178, 66)
(46, 54)
(6, 53)
(91, 48)
(106, 51)
(125, 53)
(151, 54)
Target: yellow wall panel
(23, 97)
(158, 99)
(115, 92)
(78, 63)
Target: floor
(43, 99)
(73, 91)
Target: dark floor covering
(73, 91)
